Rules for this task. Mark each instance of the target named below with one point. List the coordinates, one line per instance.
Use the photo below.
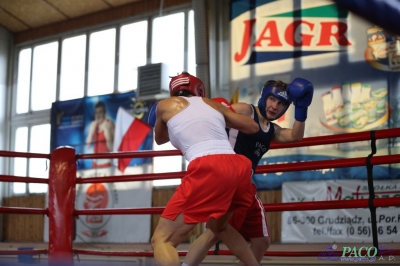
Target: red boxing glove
(224, 102)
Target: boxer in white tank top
(207, 125)
(217, 180)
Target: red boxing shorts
(251, 223)
(213, 185)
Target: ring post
(62, 182)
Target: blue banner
(89, 125)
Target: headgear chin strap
(271, 90)
(187, 82)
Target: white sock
(184, 264)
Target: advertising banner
(113, 228)
(102, 124)
(341, 225)
(352, 64)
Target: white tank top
(199, 130)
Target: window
(166, 164)
(20, 164)
(39, 137)
(44, 76)
(24, 81)
(39, 143)
(132, 54)
(168, 42)
(85, 65)
(191, 46)
(72, 77)
(101, 62)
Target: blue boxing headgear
(272, 88)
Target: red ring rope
(62, 180)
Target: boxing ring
(62, 184)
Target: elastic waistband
(207, 148)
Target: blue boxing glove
(151, 120)
(300, 91)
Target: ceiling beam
(56, 8)
(16, 18)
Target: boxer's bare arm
(243, 123)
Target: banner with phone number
(341, 225)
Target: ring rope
(320, 205)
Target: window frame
(32, 118)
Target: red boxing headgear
(187, 82)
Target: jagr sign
(269, 36)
